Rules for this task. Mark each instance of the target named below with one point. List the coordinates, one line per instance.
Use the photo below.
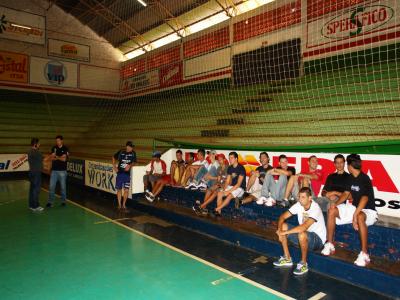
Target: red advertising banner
(164, 57)
(171, 75)
(206, 43)
(13, 67)
(133, 68)
(269, 21)
(318, 8)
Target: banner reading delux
(13, 163)
(76, 170)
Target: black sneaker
(48, 205)
(283, 203)
(196, 208)
(215, 214)
(63, 204)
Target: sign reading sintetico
(76, 170)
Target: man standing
(35, 161)
(359, 211)
(122, 163)
(59, 155)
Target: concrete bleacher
(253, 226)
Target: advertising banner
(13, 163)
(13, 67)
(68, 50)
(22, 26)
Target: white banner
(141, 82)
(382, 169)
(98, 78)
(356, 24)
(101, 176)
(53, 72)
(68, 50)
(13, 163)
(22, 26)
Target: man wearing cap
(122, 163)
(155, 172)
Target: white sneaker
(190, 186)
(39, 209)
(329, 249)
(151, 194)
(270, 202)
(261, 200)
(202, 186)
(149, 198)
(362, 259)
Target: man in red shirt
(311, 178)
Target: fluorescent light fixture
(134, 53)
(20, 26)
(206, 23)
(250, 5)
(142, 2)
(165, 40)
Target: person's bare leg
(363, 231)
(251, 181)
(333, 213)
(284, 241)
(210, 199)
(248, 199)
(125, 198)
(224, 203)
(303, 241)
(119, 197)
(290, 186)
(158, 186)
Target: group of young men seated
(348, 198)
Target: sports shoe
(39, 209)
(302, 268)
(62, 204)
(149, 198)
(48, 205)
(329, 249)
(190, 186)
(151, 194)
(202, 186)
(283, 262)
(261, 200)
(270, 202)
(147, 191)
(196, 208)
(362, 259)
(284, 203)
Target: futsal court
(200, 149)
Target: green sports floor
(74, 253)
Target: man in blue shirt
(122, 162)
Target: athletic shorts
(346, 213)
(235, 193)
(123, 181)
(314, 241)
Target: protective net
(288, 73)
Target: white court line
(249, 281)
(108, 221)
(318, 296)
(8, 202)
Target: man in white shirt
(155, 172)
(192, 169)
(309, 235)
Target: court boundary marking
(203, 261)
